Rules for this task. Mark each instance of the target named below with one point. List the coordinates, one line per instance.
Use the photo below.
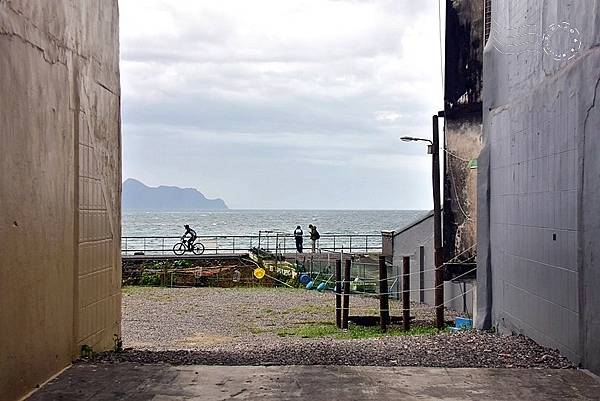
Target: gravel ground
(239, 327)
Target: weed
(86, 351)
(150, 279)
(118, 347)
(182, 263)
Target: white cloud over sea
(281, 104)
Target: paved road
(128, 381)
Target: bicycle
(182, 247)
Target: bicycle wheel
(198, 249)
(179, 248)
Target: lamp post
(433, 150)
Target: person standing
(314, 236)
(298, 235)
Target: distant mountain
(137, 196)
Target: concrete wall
(406, 242)
(541, 140)
(60, 175)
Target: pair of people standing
(299, 236)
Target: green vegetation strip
(353, 332)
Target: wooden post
(338, 294)
(346, 307)
(406, 293)
(384, 304)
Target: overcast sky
(282, 104)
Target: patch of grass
(160, 298)
(312, 309)
(132, 289)
(257, 330)
(353, 332)
(310, 331)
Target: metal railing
(239, 244)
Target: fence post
(406, 293)
(398, 281)
(232, 244)
(366, 244)
(346, 306)
(338, 294)
(384, 303)
(350, 244)
(422, 274)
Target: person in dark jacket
(314, 236)
(298, 236)
(192, 236)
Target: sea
(250, 222)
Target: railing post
(334, 243)
(144, 244)
(233, 244)
(163, 245)
(406, 293)
(366, 244)
(126, 247)
(350, 244)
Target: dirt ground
(280, 326)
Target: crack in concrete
(35, 46)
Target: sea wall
(60, 175)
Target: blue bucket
(305, 278)
(310, 285)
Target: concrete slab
(129, 381)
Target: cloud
(314, 89)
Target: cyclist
(192, 234)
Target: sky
(271, 104)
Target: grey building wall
(406, 242)
(540, 175)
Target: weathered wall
(406, 242)
(59, 186)
(541, 133)
(463, 120)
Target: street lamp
(414, 139)
(433, 150)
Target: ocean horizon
(251, 221)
